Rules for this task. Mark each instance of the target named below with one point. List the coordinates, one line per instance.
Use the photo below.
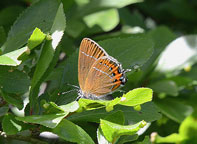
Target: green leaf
(11, 126)
(8, 14)
(135, 18)
(173, 138)
(188, 128)
(145, 141)
(40, 14)
(116, 117)
(107, 19)
(50, 46)
(51, 120)
(174, 109)
(136, 97)
(75, 27)
(71, 107)
(11, 58)
(47, 53)
(36, 38)
(3, 110)
(100, 137)
(13, 99)
(127, 138)
(132, 98)
(130, 51)
(149, 113)
(113, 131)
(3, 36)
(95, 5)
(165, 86)
(72, 133)
(13, 81)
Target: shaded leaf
(11, 126)
(149, 113)
(165, 86)
(72, 133)
(13, 99)
(13, 81)
(3, 110)
(127, 138)
(174, 109)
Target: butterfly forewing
(89, 53)
(103, 77)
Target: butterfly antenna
(127, 70)
(68, 91)
(73, 85)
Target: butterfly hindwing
(104, 77)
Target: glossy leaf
(36, 38)
(113, 131)
(72, 133)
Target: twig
(22, 138)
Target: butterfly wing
(104, 77)
(89, 52)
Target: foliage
(39, 44)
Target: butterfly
(99, 74)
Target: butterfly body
(98, 73)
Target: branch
(22, 138)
